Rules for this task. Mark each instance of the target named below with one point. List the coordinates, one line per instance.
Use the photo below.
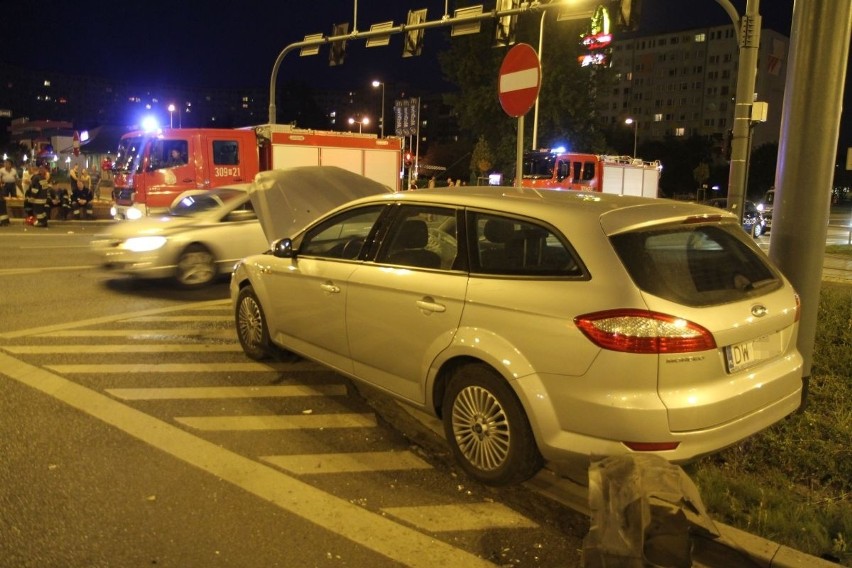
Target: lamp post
(378, 83)
(361, 122)
(635, 124)
(171, 116)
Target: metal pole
(519, 153)
(635, 136)
(749, 40)
(819, 51)
(383, 109)
(417, 145)
(535, 112)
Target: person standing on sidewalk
(9, 179)
(9, 188)
(38, 195)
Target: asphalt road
(136, 433)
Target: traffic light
(413, 42)
(504, 30)
(409, 159)
(338, 48)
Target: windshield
(539, 165)
(129, 154)
(196, 203)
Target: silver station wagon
(540, 326)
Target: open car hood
(287, 200)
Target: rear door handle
(330, 288)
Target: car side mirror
(283, 248)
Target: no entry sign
(520, 80)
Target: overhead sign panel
(379, 40)
(313, 50)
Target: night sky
(217, 43)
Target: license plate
(743, 355)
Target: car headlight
(144, 244)
(133, 214)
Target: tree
(701, 174)
(482, 158)
(566, 99)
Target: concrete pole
(749, 41)
(810, 124)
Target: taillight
(642, 331)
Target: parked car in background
(538, 325)
(205, 232)
(754, 222)
(766, 207)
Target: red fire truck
(621, 175)
(152, 168)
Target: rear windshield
(695, 265)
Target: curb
(734, 549)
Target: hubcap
(251, 323)
(196, 268)
(481, 428)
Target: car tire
(252, 330)
(756, 230)
(487, 429)
(196, 267)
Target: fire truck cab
(152, 168)
(621, 175)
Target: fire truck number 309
(226, 171)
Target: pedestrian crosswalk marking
(195, 318)
(137, 368)
(355, 462)
(228, 333)
(278, 422)
(468, 517)
(135, 348)
(190, 393)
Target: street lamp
(171, 116)
(635, 123)
(377, 83)
(363, 121)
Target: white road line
(192, 393)
(278, 422)
(475, 516)
(356, 462)
(195, 318)
(108, 319)
(139, 333)
(84, 349)
(372, 531)
(136, 368)
(20, 271)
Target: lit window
(680, 131)
(700, 38)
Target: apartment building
(684, 83)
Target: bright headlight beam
(144, 244)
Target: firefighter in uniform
(38, 196)
(81, 202)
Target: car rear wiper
(758, 284)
